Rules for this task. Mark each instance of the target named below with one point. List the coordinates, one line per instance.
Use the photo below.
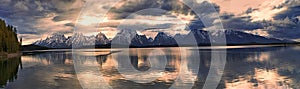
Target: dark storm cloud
(286, 23)
(132, 6)
(250, 10)
(70, 24)
(286, 28)
(231, 22)
(239, 23)
(196, 24)
(293, 9)
(26, 14)
(291, 12)
(176, 6)
(143, 26)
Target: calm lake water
(246, 67)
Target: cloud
(285, 29)
(142, 23)
(70, 24)
(230, 21)
(127, 7)
(277, 19)
(144, 26)
(239, 22)
(37, 18)
(250, 10)
(40, 17)
(291, 12)
(286, 23)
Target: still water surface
(246, 67)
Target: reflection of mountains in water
(240, 62)
(8, 70)
(58, 57)
(272, 67)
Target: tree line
(9, 42)
(9, 70)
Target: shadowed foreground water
(246, 67)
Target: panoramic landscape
(149, 44)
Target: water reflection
(246, 68)
(46, 58)
(8, 70)
(262, 68)
(250, 67)
(45, 70)
(139, 59)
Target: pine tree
(8, 38)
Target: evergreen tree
(8, 38)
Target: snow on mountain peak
(131, 38)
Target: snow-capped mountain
(128, 37)
(57, 40)
(237, 37)
(101, 39)
(201, 37)
(163, 39)
(232, 37)
(124, 37)
(79, 40)
(131, 38)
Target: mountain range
(131, 38)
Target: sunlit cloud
(259, 32)
(266, 79)
(266, 10)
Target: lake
(262, 67)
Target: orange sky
(265, 8)
(239, 6)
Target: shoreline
(200, 45)
(93, 47)
(4, 55)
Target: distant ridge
(126, 37)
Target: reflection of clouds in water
(269, 68)
(30, 61)
(262, 79)
(48, 58)
(108, 67)
(259, 57)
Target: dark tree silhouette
(8, 38)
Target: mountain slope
(127, 38)
(130, 38)
(232, 37)
(77, 40)
(57, 40)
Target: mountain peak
(126, 37)
(101, 39)
(58, 40)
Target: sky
(38, 19)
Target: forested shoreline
(9, 42)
